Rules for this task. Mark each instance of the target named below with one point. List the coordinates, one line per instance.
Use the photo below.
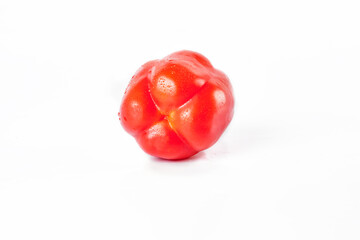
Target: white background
(288, 166)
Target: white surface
(287, 168)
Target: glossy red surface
(177, 106)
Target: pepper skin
(177, 106)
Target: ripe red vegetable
(177, 106)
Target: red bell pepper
(177, 106)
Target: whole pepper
(177, 106)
